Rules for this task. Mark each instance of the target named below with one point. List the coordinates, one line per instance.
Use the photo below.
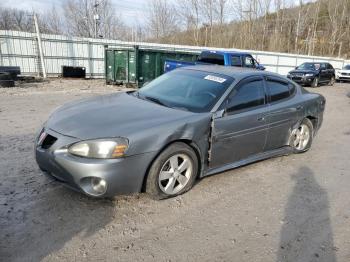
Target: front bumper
(302, 80)
(342, 77)
(123, 175)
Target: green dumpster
(137, 66)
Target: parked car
(343, 74)
(224, 58)
(186, 124)
(313, 74)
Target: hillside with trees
(314, 28)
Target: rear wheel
(173, 172)
(301, 137)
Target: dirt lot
(293, 208)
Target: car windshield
(190, 90)
(308, 66)
(347, 67)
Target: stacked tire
(6, 80)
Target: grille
(298, 74)
(48, 141)
(345, 74)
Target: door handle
(261, 118)
(300, 107)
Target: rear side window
(329, 66)
(278, 90)
(248, 95)
(212, 58)
(236, 61)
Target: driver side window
(247, 96)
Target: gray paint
(236, 139)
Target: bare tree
(190, 12)
(79, 18)
(162, 18)
(51, 22)
(14, 19)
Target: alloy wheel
(302, 137)
(175, 174)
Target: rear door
(284, 111)
(242, 130)
(236, 60)
(330, 71)
(323, 72)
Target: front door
(242, 130)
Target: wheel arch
(188, 142)
(314, 121)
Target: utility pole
(96, 18)
(42, 61)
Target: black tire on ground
(5, 76)
(7, 83)
(293, 138)
(152, 183)
(332, 81)
(315, 82)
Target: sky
(131, 10)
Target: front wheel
(332, 81)
(173, 172)
(301, 137)
(315, 82)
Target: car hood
(303, 72)
(119, 114)
(343, 71)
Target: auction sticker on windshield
(215, 79)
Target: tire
(332, 81)
(302, 144)
(7, 83)
(168, 185)
(315, 82)
(5, 76)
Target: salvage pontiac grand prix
(186, 124)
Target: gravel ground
(292, 208)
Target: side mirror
(145, 83)
(296, 68)
(260, 67)
(219, 114)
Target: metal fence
(21, 49)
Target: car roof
(316, 62)
(234, 72)
(225, 52)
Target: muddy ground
(292, 208)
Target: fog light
(98, 185)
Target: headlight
(100, 148)
(309, 75)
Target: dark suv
(313, 74)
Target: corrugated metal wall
(20, 49)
